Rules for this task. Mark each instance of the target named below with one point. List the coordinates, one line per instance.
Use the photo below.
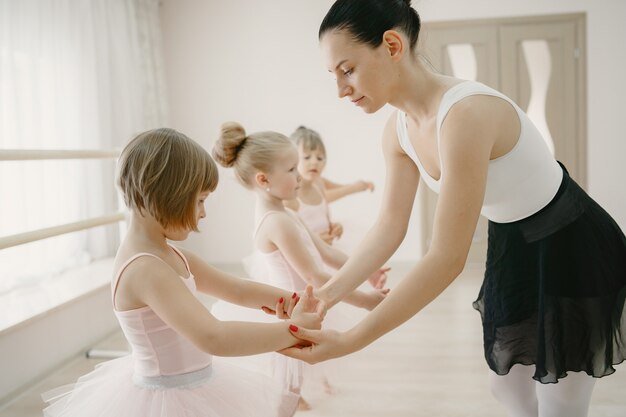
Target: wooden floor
(431, 366)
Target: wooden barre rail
(21, 238)
(43, 154)
(40, 154)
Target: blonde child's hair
(308, 139)
(248, 154)
(162, 171)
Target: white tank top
(519, 183)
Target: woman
(553, 294)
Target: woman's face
(364, 74)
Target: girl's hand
(283, 307)
(325, 344)
(373, 298)
(379, 278)
(327, 237)
(336, 230)
(366, 185)
(309, 311)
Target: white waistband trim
(188, 380)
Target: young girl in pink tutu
(316, 192)
(165, 178)
(292, 256)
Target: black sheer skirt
(554, 290)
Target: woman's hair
(309, 139)
(367, 20)
(248, 154)
(162, 172)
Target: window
(73, 75)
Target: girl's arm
(389, 229)
(334, 191)
(284, 231)
(467, 138)
(155, 284)
(243, 292)
(330, 255)
(336, 259)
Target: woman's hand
(324, 345)
(379, 278)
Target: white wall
(37, 346)
(257, 62)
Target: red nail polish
(281, 300)
(293, 327)
(295, 294)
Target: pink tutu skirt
(287, 372)
(291, 374)
(220, 390)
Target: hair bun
(227, 147)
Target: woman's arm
(467, 138)
(334, 191)
(153, 283)
(389, 229)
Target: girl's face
(363, 74)
(311, 163)
(200, 209)
(284, 180)
(179, 234)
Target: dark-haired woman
(553, 294)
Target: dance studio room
(281, 156)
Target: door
(536, 61)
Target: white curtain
(74, 74)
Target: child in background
(293, 256)
(316, 191)
(165, 178)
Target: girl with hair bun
(552, 299)
(292, 256)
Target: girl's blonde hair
(248, 154)
(309, 139)
(162, 171)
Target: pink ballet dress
(167, 376)
(273, 269)
(278, 272)
(315, 216)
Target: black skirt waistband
(564, 208)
